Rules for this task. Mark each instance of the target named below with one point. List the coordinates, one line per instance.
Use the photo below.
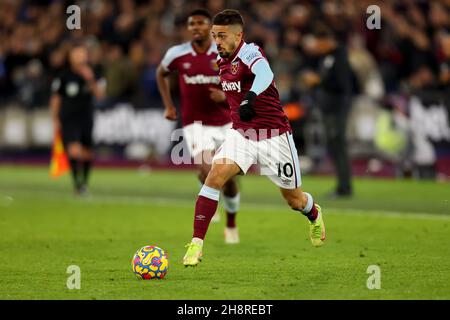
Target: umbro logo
(200, 217)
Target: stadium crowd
(127, 38)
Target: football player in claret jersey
(260, 133)
(204, 113)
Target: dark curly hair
(228, 17)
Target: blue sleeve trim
(263, 76)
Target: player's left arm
(217, 95)
(263, 78)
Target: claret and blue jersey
(197, 72)
(237, 75)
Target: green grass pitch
(401, 226)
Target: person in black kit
(334, 84)
(71, 106)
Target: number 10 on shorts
(286, 169)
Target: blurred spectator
(118, 73)
(368, 77)
(444, 71)
(408, 40)
(333, 83)
(31, 91)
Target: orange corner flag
(59, 164)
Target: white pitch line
(172, 201)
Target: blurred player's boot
(82, 191)
(193, 254)
(216, 217)
(339, 195)
(317, 229)
(231, 235)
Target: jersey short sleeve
(169, 61)
(250, 55)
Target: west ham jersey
(237, 78)
(197, 72)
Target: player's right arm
(164, 90)
(168, 64)
(259, 66)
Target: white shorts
(200, 137)
(277, 157)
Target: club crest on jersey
(234, 67)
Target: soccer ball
(150, 262)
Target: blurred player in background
(260, 134)
(204, 112)
(71, 106)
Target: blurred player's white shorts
(277, 157)
(201, 137)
